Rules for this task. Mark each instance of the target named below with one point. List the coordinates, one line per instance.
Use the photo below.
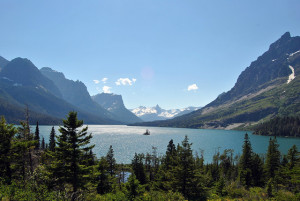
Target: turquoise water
(128, 140)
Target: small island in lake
(147, 132)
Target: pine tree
(104, 185)
(52, 140)
(43, 144)
(273, 158)
(257, 171)
(292, 156)
(245, 173)
(72, 145)
(37, 136)
(7, 132)
(138, 168)
(111, 161)
(185, 171)
(133, 187)
(170, 154)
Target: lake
(128, 140)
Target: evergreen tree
(52, 140)
(185, 171)
(37, 136)
(257, 171)
(138, 168)
(22, 151)
(170, 154)
(272, 159)
(220, 187)
(7, 132)
(43, 144)
(104, 185)
(133, 187)
(72, 144)
(111, 161)
(292, 156)
(245, 173)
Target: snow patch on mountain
(157, 113)
(292, 76)
(294, 53)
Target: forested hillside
(65, 168)
(280, 126)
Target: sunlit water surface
(128, 140)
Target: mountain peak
(285, 36)
(23, 71)
(3, 62)
(281, 41)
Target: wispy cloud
(96, 81)
(104, 80)
(106, 89)
(192, 87)
(125, 81)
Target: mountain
(114, 104)
(21, 84)
(157, 113)
(3, 62)
(23, 72)
(76, 93)
(270, 86)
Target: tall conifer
(245, 173)
(111, 161)
(69, 161)
(52, 140)
(7, 132)
(273, 158)
(37, 136)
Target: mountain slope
(261, 91)
(3, 62)
(75, 92)
(23, 72)
(114, 104)
(22, 84)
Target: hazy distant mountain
(269, 86)
(76, 93)
(114, 104)
(23, 72)
(3, 62)
(157, 113)
(21, 83)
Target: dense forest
(280, 126)
(65, 168)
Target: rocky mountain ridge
(114, 104)
(270, 86)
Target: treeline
(280, 126)
(66, 168)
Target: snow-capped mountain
(157, 113)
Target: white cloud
(96, 81)
(106, 89)
(192, 87)
(125, 81)
(104, 80)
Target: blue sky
(167, 52)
